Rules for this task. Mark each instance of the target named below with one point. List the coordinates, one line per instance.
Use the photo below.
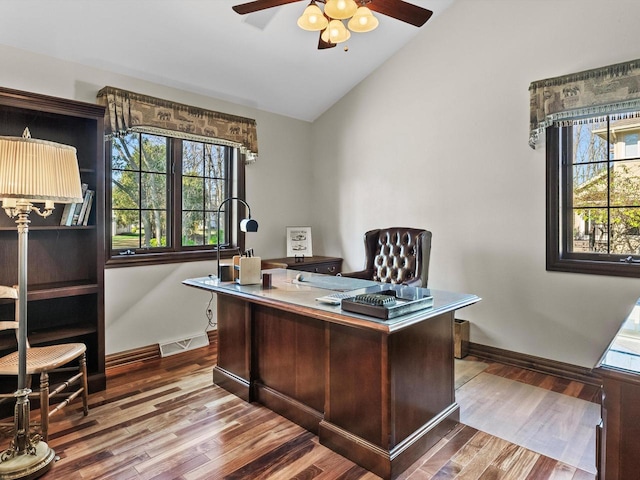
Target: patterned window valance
(132, 112)
(563, 100)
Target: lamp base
(28, 466)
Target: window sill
(160, 258)
(611, 268)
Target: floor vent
(179, 346)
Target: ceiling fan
(330, 21)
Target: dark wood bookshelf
(49, 336)
(65, 263)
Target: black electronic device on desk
(386, 304)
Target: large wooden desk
(380, 393)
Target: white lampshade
(336, 32)
(38, 171)
(362, 21)
(340, 9)
(248, 225)
(313, 19)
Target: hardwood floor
(541, 420)
(164, 419)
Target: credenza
(316, 264)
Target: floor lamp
(31, 171)
(246, 225)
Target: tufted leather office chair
(396, 255)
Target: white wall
(147, 305)
(437, 138)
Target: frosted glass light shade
(340, 9)
(336, 32)
(363, 21)
(313, 19)
(38, 171)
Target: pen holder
(227, 273)
(247, 270)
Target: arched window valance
(133, 112)
(568, 99)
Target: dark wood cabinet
(315, 264)
(65, 263)
(617, 453)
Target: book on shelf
(65, 212)
(86, 208)
(70, 215)
(76, 214)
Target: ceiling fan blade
(322, 44)
(400, 10)
(258, 5)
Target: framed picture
(299, 242)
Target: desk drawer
(329, 268)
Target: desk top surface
(297, 292)
(624, 351)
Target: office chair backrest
(398, 255)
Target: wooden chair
(44, 361)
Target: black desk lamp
(246, 225)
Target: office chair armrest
(364, 274)
(413, 282)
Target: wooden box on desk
(247, 270)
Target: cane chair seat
(43, 361)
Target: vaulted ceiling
(262, 59)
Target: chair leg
(44, 405)
(85, 385)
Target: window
(204, 187)
(164, 198)
(593, 195)
(140, 192)
(171, 166)
(631, 145)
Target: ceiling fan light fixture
(340, 9)
(363, 21)
(312, 19)
(358, 17)
(336, 32)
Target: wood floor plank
(434, 463)
(276, 461)
(488, 448)
(516, 462)
(543, 468)
(334, 466)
